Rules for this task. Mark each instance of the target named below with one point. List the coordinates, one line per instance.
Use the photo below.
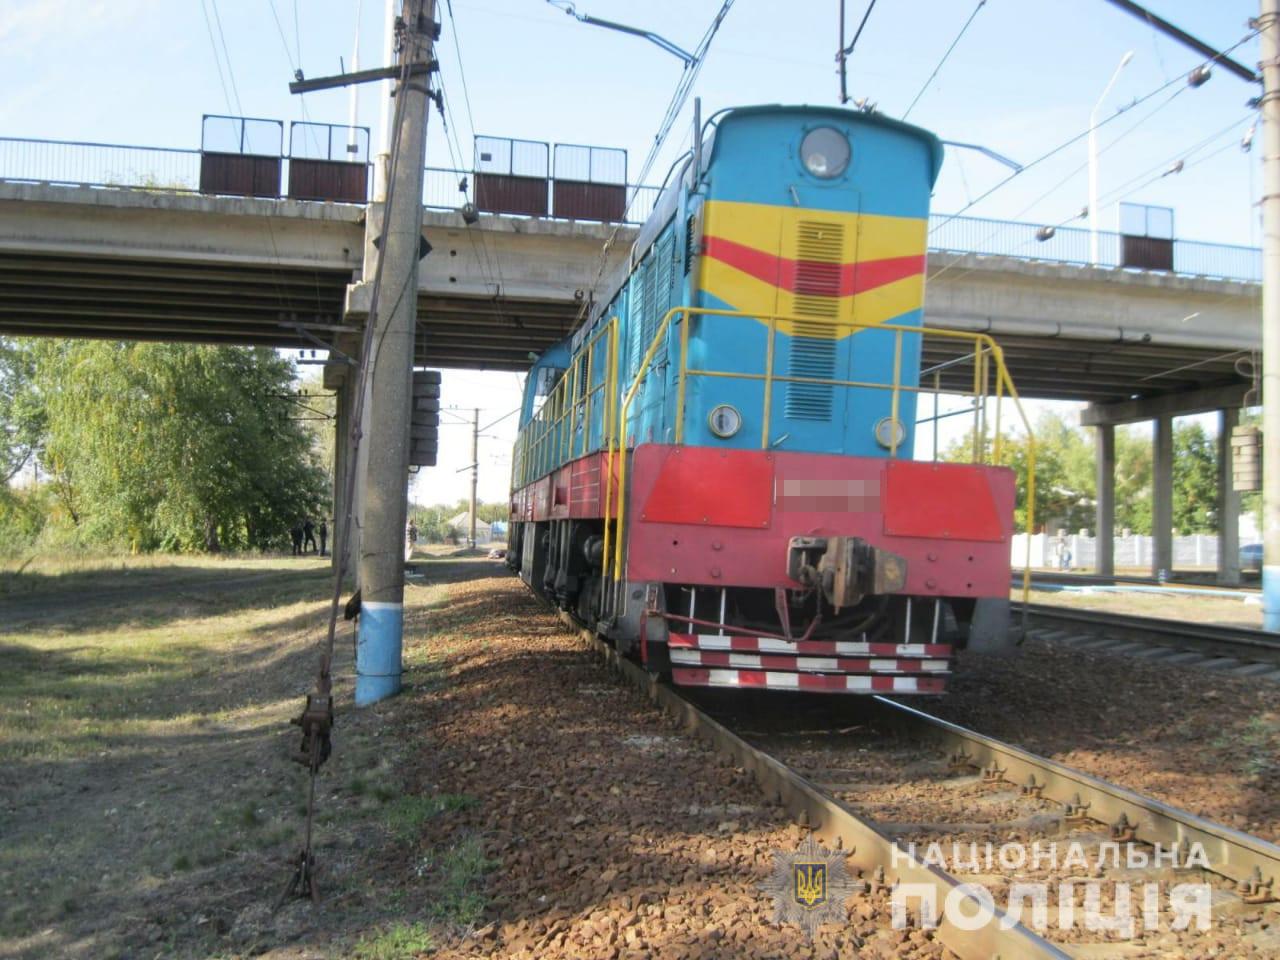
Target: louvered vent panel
(820, 254)
(635, 316)
(652, 310)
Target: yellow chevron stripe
(773, 228)
(756, 298)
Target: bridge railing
(443, 190)
(1031, 241)
(87, 163)
(99, 164)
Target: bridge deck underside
(293, 307)
(194, 302)
(1098, 371)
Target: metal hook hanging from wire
(656, 39)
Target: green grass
(400, 942)
(90, 680)
(406, 815)
(456, 877)
(1262, 737)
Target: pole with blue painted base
(390, 382)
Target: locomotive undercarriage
(743, 636)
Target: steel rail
(1241, 643)
(1235, 855)
(834, 824)
(1057, 578)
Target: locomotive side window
(825, 152)
(548, 377)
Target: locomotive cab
(724, 480)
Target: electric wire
(282, 290)
(369, 350)
(217, 18)
(676, 104)
(1125, 189)
(217, 60)
(945, 56)
(940, 275)
(489, 266)
(1057, 186)
(1082, 135)
(494, 265)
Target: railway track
(1035, 799)
(1240, 650)
(1098, 580)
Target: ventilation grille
(820, 254)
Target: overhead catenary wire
(217, 19)
(480, 248)
(1126, 189)
(945, 57)
(217, 58)
(937, 277)
(678, 99)
(1077, 138)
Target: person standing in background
(309, 536)
(324, 534)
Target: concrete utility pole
(1269, 28)
(390, 365)
(475, 472)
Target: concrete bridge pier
(1228, 503)
(1105, 466)
(1226, 399)
(1162, 497)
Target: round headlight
(825, 152)
(890, 433)
(724, 421)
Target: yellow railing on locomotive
(551, 437)
(984, 352)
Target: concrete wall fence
(1199, 550)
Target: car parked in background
(1251, 557)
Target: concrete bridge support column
(1162, 497)
(1105, 526)
(1228, 504)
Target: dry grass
(147, 803)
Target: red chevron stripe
(811, 277)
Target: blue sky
(1023, 79)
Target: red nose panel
(725, 488)
(941, 501)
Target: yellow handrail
(985, 350)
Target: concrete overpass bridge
(78, 259)
(83, 261)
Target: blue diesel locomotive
(716, 471)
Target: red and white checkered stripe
(807, 682)
(822, 648)
(754, 661)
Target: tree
(1195, 480)
(175, 446)
(21, 420)
(1063, 470)
(1133, 480)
